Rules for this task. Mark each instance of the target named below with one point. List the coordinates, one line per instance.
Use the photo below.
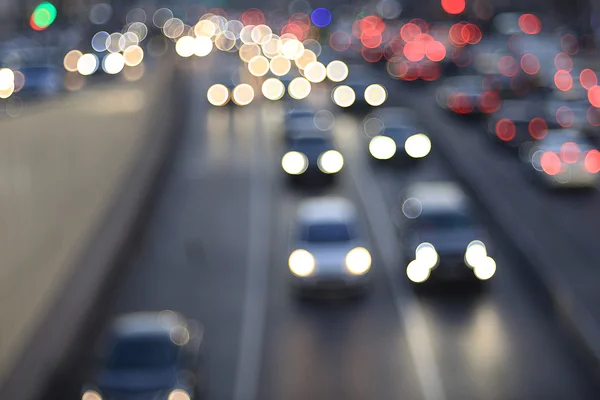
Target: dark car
(396, 135)
(150, 355)
(311, 157)
(442, 241)
(41, 81)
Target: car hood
(330, 258)
(447, 242)
(138, 380)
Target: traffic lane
(194, 254)
(336, 348)
(556, 227)
(501, 343)
(195, 259)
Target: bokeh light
(261, 34)
(185, 46)
(382, 147)
(550, 163)
(530, 64)
(280, 65)
(418, 145)
(454, 6)
(315, 72)
(343, 96)
(273, 89)
(538, 128)
(506, 130)
(243, 94)
(258, 66)
(299, 88)
(113, 63)
(87, 64)
(307, 57)
(218, 95)
(563, 80)
(530, 24)
(70, 60)
(133, 56)
(337, 71)
(588, 79)
(248, 51)
(202, 46)
(594, 96)
(375, 95)
(321, 17)
(565, 116)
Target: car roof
(326, 210)
(438, 196)
(146, 324)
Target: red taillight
(538, 129)
(460, 103)
(489, 102)
(506, 130)
(551, 163)
(570, 152)
(592, 161)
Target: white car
(328, 251)
(565, 159)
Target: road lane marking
(407, 307)
(255, 299)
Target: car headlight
(476, 253)
(426, 255)
(301, 263)
(417, 272)
(331, 162)
(417, 146)
(179, 394)
(91, 395)
(294, 163)
(358, 261)
(382, 147)
(485, 269)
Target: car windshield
(143, 353)
(327, 233)
(444, 221)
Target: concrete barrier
(73, 172)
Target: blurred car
(298, 120)
(311, 158)
(518, 123)
(328, 248)
(150, 355)
(40, 81)
(565, 159)
(467, 95)
(398, 137)
(441, 239)
(360, 77)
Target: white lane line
(255, 300)
(407, 307)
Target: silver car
(565, 159)
(328, 251)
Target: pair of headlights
(384, 147)
(427, 258)
(176, 394)
(302, 263)
(296, 163)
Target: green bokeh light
(44, 14)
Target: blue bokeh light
(321, 17)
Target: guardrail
(74, 174)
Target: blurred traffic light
(43, 16)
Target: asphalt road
(216, 250)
